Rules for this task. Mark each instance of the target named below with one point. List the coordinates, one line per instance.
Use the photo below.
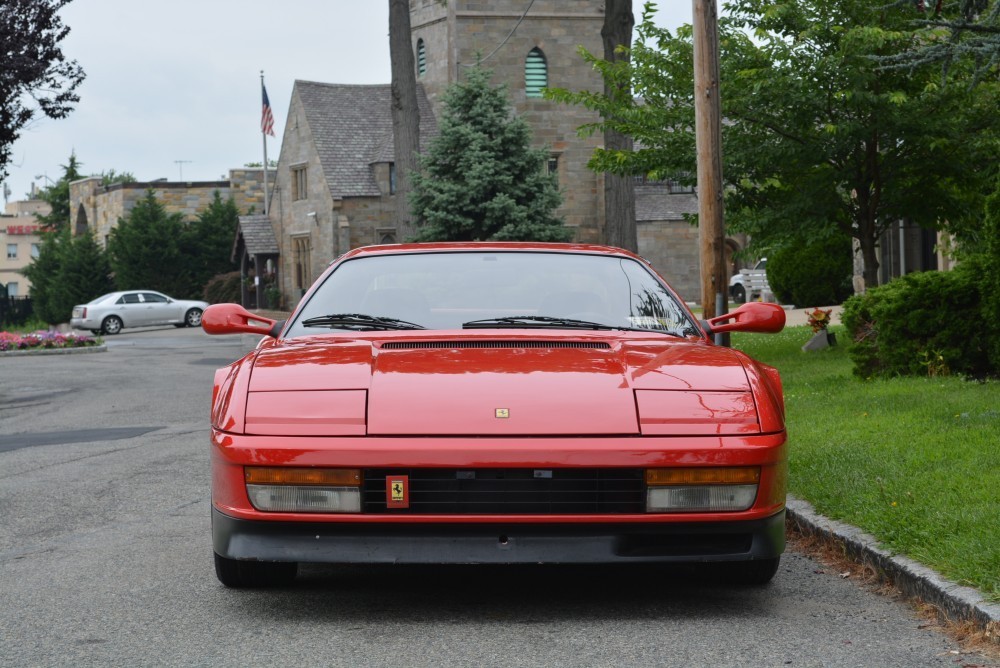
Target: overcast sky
(180, 81)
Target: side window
(153, 297)
(421, 57)
(536, 73)
(130, 298)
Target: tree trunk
(405, 112)
(619, 191)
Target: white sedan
(109, 313)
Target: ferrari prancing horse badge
(397, 491)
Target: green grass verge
(913, 461)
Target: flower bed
(43, 339)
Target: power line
(509, 35)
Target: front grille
(511, 491)
(490, 345)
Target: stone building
(334, 181)
(97, 208)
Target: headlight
(701, 489)
(289, 499)
(303, 490)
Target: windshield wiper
(359, 321)
(534, 322)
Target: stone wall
(672, 248)
(97, 208)
(457, 33)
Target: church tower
(528, 44)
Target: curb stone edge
(915, 580)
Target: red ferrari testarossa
(495, 403)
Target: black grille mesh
(511, 491)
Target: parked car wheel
(739, 294)
(111, 325)
(193, 317)
(239, 574)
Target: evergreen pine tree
(57, 196)
(145, 249)
(83, 274)
(480, 179)
(207, 242)
(43, 274)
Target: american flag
(266, 117)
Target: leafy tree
(145, 249)
(207, 243)
(111, 177)
(57, 196)
(33, 68)
(818, 137)
(480, 179)
(84, 273)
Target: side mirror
(234, 319)
(751, 317)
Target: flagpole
(263, 135)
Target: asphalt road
(105, 560)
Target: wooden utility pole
(708, 135)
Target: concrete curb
(54, 351)
(957, 602)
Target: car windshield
(479, 289)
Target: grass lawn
(913, 461)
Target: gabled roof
(656, 203)
(257, 235)
(352, 128)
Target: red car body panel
(423, 399)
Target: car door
(159, 309)
(130, 309)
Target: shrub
(812, 274)
(223, 288)
(926, 323)
(991, 273)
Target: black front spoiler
(497, 543)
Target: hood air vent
(438, 345)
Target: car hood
(518, 386)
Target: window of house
(385, 235)
(11, 251)
(12, 289)
(552, 166)
(421, 58)
(35, 251)
(392, 178)
(300, 183)
(300, 256)
(536, 73)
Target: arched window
(421, 58)
(536, 73)
(81, 219)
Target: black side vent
(437, 345)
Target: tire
(254, 574)
(756, 573)
(192, 318)
(739, 294)
(112, 325)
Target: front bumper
(498, 542)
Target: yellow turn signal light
(281, 475)
(733, 475)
